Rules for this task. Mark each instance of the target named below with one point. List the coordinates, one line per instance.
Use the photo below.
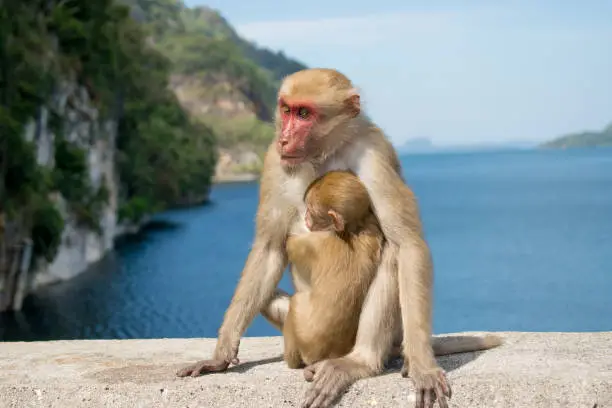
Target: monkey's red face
(297, 120)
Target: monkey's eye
(303, 113)
(285, 109)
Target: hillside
(92, 138)
(221, 79)
(583, 139)
(110, 111)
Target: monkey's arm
(261, 274)
(397, 210)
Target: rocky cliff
(92, 140)
(111, 111)
(79, 123)
(220, 78)
(69, 118)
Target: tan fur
(443, 346)
(340, 265)
(397, 307)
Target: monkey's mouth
(293, 158)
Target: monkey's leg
(379, 317)
(277, 309)
(291, 353)
(311, 327)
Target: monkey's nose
(283, 142)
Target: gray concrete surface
(530, 370)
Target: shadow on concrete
(152, 373)
(155, 373)
(244, 367)
(448, 362)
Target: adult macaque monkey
(320, 127)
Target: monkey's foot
(430, 386)
(330, 378)
(294, 363)
(204, 367)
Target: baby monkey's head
(336, 201)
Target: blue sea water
(521, 240)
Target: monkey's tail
(461, 344)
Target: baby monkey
(339, 257)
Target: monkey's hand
(223, 357)
(430, 385)
(330, 378)
(203, 367)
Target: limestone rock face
(233, 165)
(531, 370)
(80, 123)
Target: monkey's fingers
(320, 395)
(329, 381)
(420, 401)
(442, 383)
(309, 372)
(431, 387)
(203, 367)
(441, 397)
(324, 398)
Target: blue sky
(454, 71)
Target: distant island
(583, 139)
(417, 144)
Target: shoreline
(124, 231)
(234, 178)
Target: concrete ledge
(531, 370)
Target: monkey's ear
(353, 101)
(337, 220)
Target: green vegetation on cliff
(25, 81)
(178, 83)
(583, 139)
(222, 80)
(71, 179)
(163, 156)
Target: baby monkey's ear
(353, 102)
(337, 220)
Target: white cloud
(356, 31)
